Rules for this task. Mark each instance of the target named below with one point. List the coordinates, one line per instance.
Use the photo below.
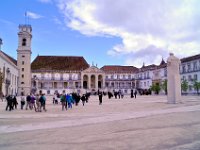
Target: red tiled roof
(119, 69)
(186, 59)
(10, 58)
(61, 63)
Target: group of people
(67, 100)
(133, 93)
(38, 102)
(11, 102)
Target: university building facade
(57, 74)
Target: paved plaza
(146, 123)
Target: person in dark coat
(9, 103)
(83, 98)
(132, 93)
(15, 103)
(100, 98)
(135, 93)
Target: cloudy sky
(106, 32)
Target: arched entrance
(85, 81)
(100, 81)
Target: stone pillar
(96, 81)
(173, 80)
(103, 82)
(89, 82)
(81, 81)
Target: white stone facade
(190, 71)
(9, 72)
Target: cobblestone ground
(147, 122)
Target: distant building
(58, 74)
(120, 78)
(190, 71)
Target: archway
(100, 81)
(85, 81)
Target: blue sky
(106, 32)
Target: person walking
(28, 100)
(22, 102)
(100, 98)
(9, 103)
(43, 102)
(32, 102)
(63, 101)
(132, 93)
(83, 99)
(38, 103)
(15, 103)
(135, 93)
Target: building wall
(190, 71)
(49, 83)
(10, 73)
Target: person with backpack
(43, 102)
(28, 100)
(63, 101)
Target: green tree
(156, 88)
(184, 85)
(196, 86)
(164, 86)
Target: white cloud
(45, 1)
(33, 15)
(166, 26)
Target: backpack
(41, 99)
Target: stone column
(81, 81)
(89, 81)
(103, 81)
(96, 82)
(173, 80)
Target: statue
(173, 80)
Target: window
(23, 56)
(22, 82)
(23, 42)
(22, 62)
(22, 76)
(48, 92)
(189, 78)
(190, 87)
(184, 78)
(195, 66)
(22, 69)
(184, 70)
(111, 76)
(195, 77)
(189, 67)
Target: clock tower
(24, 59)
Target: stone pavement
(147, 122)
